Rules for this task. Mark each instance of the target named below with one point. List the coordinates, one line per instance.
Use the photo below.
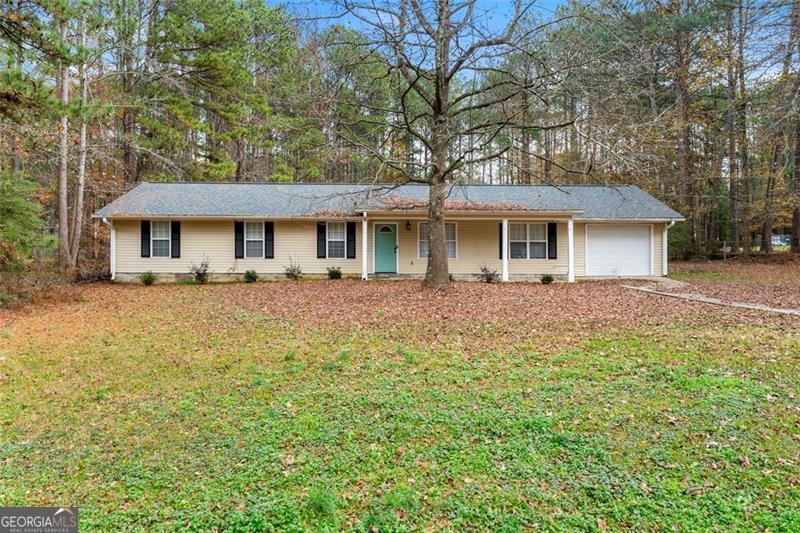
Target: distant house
(522, 231)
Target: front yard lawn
(379, 405)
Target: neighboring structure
(522, 231)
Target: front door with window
(386, 248)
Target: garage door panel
(618, 250)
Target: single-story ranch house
(521, 231)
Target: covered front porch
(516, 245)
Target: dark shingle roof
(310, 200)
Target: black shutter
(552, 241)
(321, 240)
(238, 239)
(500, 240)
(269, 240)
(175, 233)
(145, 238)
(351, 240)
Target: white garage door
(618, 250)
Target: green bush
(148, 278)
(335, 272)
(547, 279)
(250, 276)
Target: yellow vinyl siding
(477, 244)
(658, 251)
(214, 239)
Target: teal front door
(386, 248)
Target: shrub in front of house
(335, 272)
(547, 279)
(293, 270)
(488, 275)
(148, 278)
(200, 272)
(250, 276)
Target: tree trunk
(63, 210)
(526, 157)
(77, 213)
(730, 130)
(744, 158)
(685, 163)
(795, 178)
(795, 246)
(548, 155)
(437, 274)
(769, 203)
(130, 170)
(780, 135)
(684, 131)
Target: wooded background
(693, 101)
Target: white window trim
(419, 239)
(169, 240)
(528, 241)
(328, 239)
(262, 239)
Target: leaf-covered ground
(774, 282)
(337, 405)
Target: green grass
(235, 421)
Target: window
(518, 240)
(336, 239)
(160, 238)
(450, 239)
(254, 239)
(538, 241)
(527, 241)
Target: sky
(494, 13)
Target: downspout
(112, 259)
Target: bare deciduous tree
(456, 91)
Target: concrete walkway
(717, 301)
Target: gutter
(349, 216)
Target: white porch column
(664, 251)
(505, 249)
(364, 231)
(570, 251)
